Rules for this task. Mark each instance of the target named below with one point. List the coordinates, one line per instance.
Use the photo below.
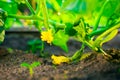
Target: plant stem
(97, 32)
(78, 54)
(21, 17)
(38, 8)
(59, 25)
(107, 32)
(99, 15)
(105, 54)
(30, 7)
(91, 46)
(45, 14)
(103, 51)
(31, 72)
(56, 5)
(42, 49)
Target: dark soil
(94, 67)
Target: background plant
(34, 45)
(30, 67)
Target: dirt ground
(94, 67)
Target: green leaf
(93, 8)
(1, 29)
(110, 8)
(19, 1)
(69, 29)
(59, 2)
(109, 12)
(55, 4)
(3, 16)
(9, 22)
(6, 0)
(81, 30)
(24, 64)
(67, 17)
(60, 39)
(11, 8)
(35, 64)
(34, 42)
(34, 45)
(74, 6)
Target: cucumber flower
(47, 36)
(59, 59)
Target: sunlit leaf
(35, 64)
(24, 64)
(19, 1)
(74, 5)
(55, 4)
(93, 8)
(67, 17)
(81, 30)
(110, 8)
(5, 0)
(60, 39)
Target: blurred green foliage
(89, 21)
(35, 45)
(68, 11)
(11, 8)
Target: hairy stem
(38, 8)
(31, 72)
(44, 13)
(78, 54)
(91, 46)
(30, 7)
(59, 25)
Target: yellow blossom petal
(59, 59)
(47, 36)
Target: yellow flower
(47, 36)
(59, 59)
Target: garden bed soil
(94, 67)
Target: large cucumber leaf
(60, 39)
